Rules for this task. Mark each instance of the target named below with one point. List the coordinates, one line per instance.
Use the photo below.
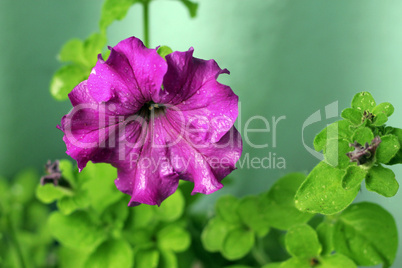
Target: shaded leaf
(237, 243)
(279, 205)
(76, 230)
(367, 234)
(322, 191)
(112, 253)
(382, 181)
(298, 237)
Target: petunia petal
(166, 157)
(130, 77)
(197, 98)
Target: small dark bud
(53, 173)
(364, 154)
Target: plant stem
(259, 254)
(14, 240)
(145, 5)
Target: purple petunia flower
(157, 121)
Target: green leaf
(353, 177)
(65, 79)
(76, 231)
(73, 51)
(142, 217)
(338, 130)
(250, 210)
(272, 265)
(111, 254)
(385, 108)
(49, 193)
(335, 153)
(322, 191)
(325, 232)
(296, 263)
(163, 51)
(68, 171)
(167, 260)
(172, 208)
(298, 237)
(380, 120)
(191, 6)
(226, 208)
(363, 135)
(69, 204)
(353, 115)
(23, 187)
(174, 238)
(397, 159)
(363, 102)
(279, 205)
(388, 148)
(69, 257)
(115, 215)
(367, 234)
(98, 181)
(214, 234)
(336, 261)
(93, 46)
(237, 243)
(148, 258)
(114, 10)
(382, 180)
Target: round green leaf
(114, 10)
(382, 180)
(336, 261)
(385, 108)
(98, 181)
(226, 208)
(73, 51)
(146, 258)
(172, 208)
(325, 232)
(49, 193)
(76, 230)
(367, 234)
(353, 177)
(322, 191)
(214, 234)
(354, 116)
(279, 205)
(173, 237)
(167, 260)
(111, 254)
(295, 263)
(163, 51)
(363, 135)
(65, 79)
(237, 243)
(379, 120)
(302, 242)
(388, 148)
(250, 210)
(340, 129)
(363, 102)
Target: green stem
(14, 240)
(145, 5)
(259, 254)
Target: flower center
(151, 109)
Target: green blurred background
(287, 58)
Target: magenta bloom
(157, 121)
